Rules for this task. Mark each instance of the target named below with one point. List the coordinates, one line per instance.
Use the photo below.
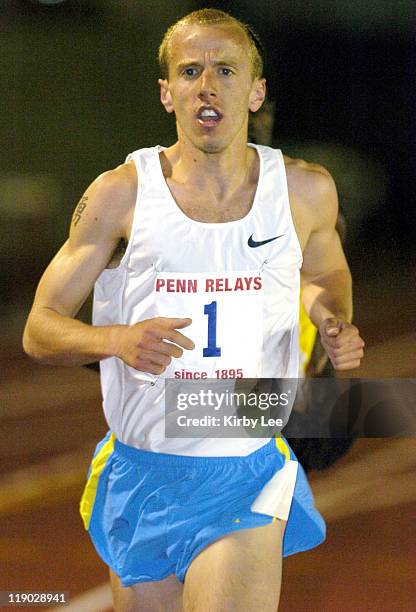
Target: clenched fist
(342, 342)
(150, 345)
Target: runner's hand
(342, 342)
(150, 345)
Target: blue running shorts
(150, 514)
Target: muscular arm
(325, 276)
(52, 335)
(326, 279)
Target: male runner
(209, 282)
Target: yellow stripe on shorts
(282, 447)
(90, 491)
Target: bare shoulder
(109, 200)
(116, 189)
(308, 181)
(312, 190)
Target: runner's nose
(208, 89)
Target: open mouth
(209, 117)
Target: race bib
(227, 322)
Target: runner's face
(210, 86)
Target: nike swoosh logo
(253, 244)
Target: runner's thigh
(161, 596)
(241, 571)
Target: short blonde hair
(213, 17)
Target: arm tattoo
(79, 209)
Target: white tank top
(238, 282)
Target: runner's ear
(257, 95)
(165, 95)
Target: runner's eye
(226, 71)
(189, 72)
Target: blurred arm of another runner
(52, 334)
(326, 278)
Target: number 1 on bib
(212, 350)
